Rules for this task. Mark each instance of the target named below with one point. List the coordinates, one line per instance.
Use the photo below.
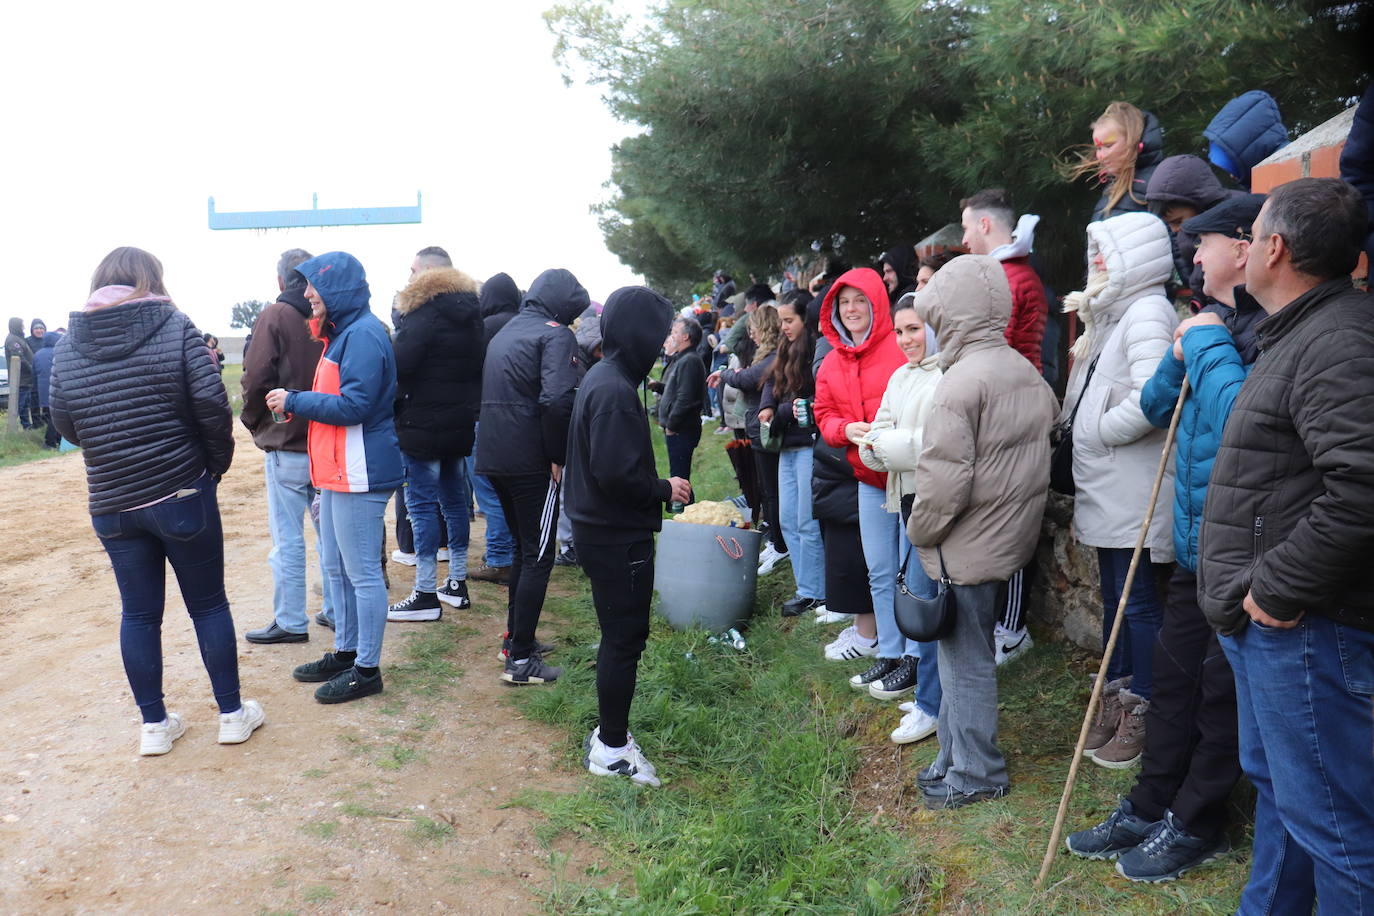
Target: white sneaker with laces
(237, 727)
(405, 559)
(850, 645)
(441, 556)
(769, 558)
(620, 761)
(156, 738)
(1011, 644)
(914, 726)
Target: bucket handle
(734, 554)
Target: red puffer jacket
(852, 379)
(1026, 330)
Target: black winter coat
(684, 392)
(133, 385)
(834, 488)
(439, 347)
(1150, 155)
(499, 300)
(1289, 515)
(529, 380)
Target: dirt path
(391, 804)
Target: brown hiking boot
(1126, 746)
(1108, 715)
(498, 574)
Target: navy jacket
(1247, 130)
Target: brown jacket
(282, 355)
(983, 474)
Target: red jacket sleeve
(1026, 330)
(828, 420)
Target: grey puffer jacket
(983, 474)
(133, 385)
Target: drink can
(279, 417)
(801, 409)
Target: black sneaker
(950, 797)
(349, 685)
(322, 670)
(799, 605)
(929, 777)
(541, 649)
(417, 605)
(530, 670)
(273, 633)
(1168, 852)
(897, 682)
(324, 621)
(455, 592)
(1122, 830)
(567, 558)
(880, 669)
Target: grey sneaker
(1122, 830)
(530, 670)
(1168, 852)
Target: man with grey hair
(284, 355)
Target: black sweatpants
(622, 579)
(530, 504)
(767, 465)
(1191, 760)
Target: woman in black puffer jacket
(134, 385)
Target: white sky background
(123, 118)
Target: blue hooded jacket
(352, 443)
(1244, 133)
(42, 365)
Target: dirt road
(390, 804)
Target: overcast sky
(123, 118)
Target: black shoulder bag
(925, 619)
(1061, 443)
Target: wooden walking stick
(1053, 847)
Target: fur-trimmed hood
(431, 284)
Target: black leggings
(767, 465)
(622, 579)
(530, 504)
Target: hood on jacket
(36, 324)
(1246, 131)
(17, 326)
(633, 325)
(1151, 143)
(113, 332)
(1135, 248)
(430, 284)
(967, 305)
(1022, 239)
(868, 282)
(50, 340)
(556, 294)
(1184, 180)
(339, 279)
(295, 297)
(904, 261)
(499, 296)
(589, 333)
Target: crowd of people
(894, 431)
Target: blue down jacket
(1245, 132)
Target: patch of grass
(428, 830)
(319, 893)
(22, 446)
(315, 773)
(353, 809)
(428, 669)
(323, 830)
(397, 756)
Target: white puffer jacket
(1115, 449)
(897, 427)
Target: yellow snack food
(711, 513)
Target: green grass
(772, 793)
(21, 446)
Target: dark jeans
(29, 412)
(680, 448)
(622, 580)
(186, 532)
(1192, 759)
(767, 465)
(51, 437)
(1135, 645)
(530, 504)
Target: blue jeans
(351, 531)
(799, 529)
(500, 545)
(1303, 701)
(1135, 645)
(433, 487)
(186, 532)
(288, 503)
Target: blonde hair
(129, 266)
(765, 327)
(1131, 120)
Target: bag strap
(939, 552)
(1092, 367)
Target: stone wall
(1065, 594)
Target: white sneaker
(915, 725)
(850, 645)
(769, 558)
(441, 556)
(620, 761)
(236, 727)
(1011, 645)
(908, 706)
(156, 737)
(405, 559)
(826, 616)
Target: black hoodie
(904, 262)
(499, 301)
(614, 494)
(529, 380)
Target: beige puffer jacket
(896, 433)
(983, 476)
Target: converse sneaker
(769, 558)
(1108, 714)
(620, 761)
(402, 557)
(320, 670)
(1122, 830)
(541, 649)
(850, 645)
(236, 727)
(898, 682)
(1011, 644)
(417, 605)
(1168, 852)
(915, 726)
(878, 670)
(455, 592)
(156, 738)
(1124, 748)
(826, 616)
(532, 670)
(795, 607)
(349, 685)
